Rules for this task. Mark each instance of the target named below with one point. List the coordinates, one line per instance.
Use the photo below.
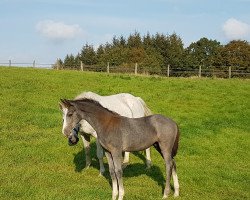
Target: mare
(117, 134)
(125, 105)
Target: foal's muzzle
(73, 138)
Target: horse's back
(124, 104)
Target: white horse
(124, 104)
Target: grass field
(213, 161)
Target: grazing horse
(117, 134)
(125, 105)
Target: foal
(117, 134)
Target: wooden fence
(199, 71)
(169, 71)
(33, 64)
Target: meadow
(213, 161)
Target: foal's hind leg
(169, 165)
(175, 179)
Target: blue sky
(44, 30)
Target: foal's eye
(69, 114)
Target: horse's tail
(147, 111)
(176, 144)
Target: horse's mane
(92, 101)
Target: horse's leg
(113, 176)
(169, 165)
(125, 160)
(86, 143)
(100, 156)
(117, 158)
(175, 179)
(166, 153)
(148, 161)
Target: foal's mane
(92, 101)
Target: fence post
(108, 67)
(9, 63)
(57, 64)
(168, 70)
(136, 66)
(81, 65)
(199, 71)
(229, 72)
(34, 64)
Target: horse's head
(70, 121)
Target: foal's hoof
(87, 166)
(101, 174)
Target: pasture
(36, 162)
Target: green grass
(213, 161)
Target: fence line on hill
(33, 64)
(226, 72)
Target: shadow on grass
(80, 159)
(132, 170)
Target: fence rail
(199, 71)
(34, 64)
(226, 72)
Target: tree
(236, 53)
(134, 40)
(203, 52)
(69, 62)
(175, 51)
(152, 62)
(148, 41)
(88, 55)
(58, 64)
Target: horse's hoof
(87, 166)
(100, 174)
(176, 194)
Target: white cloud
(58, 31)
(235, 29)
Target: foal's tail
(176, 143)
(147, 111)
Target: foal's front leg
(86, 143)
(113, 176)
(99, 153)
(117, 159)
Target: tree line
(154, 53)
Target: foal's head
(70, 121)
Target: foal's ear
(60, 106)
(65, 103)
